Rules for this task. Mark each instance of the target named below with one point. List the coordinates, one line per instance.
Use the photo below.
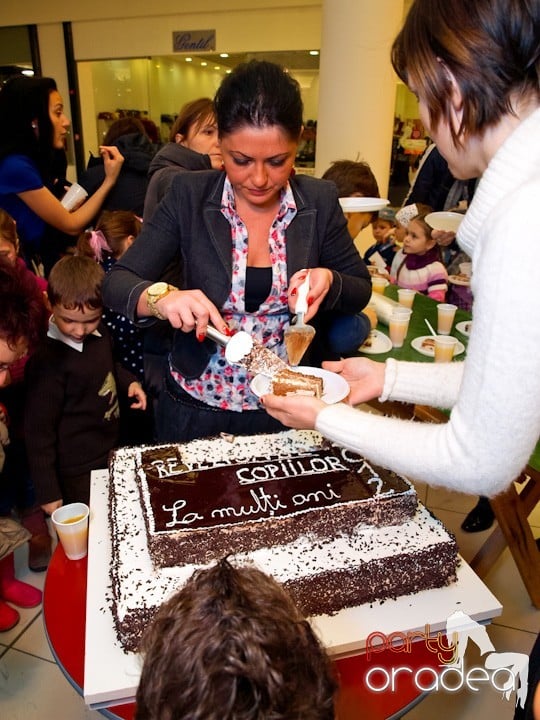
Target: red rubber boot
(9, 617)
(15, 591)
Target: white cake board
(111, 675)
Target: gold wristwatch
(154, 293)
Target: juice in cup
(445, 318)
(444, 348)
(71, 525)
(406, 297)
(399, 325)
(378, 284)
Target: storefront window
(155, 89)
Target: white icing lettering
(166, 467)
(262, 503)
(335, 464)
(187, 519)
(281, 470)
(378, 482)
(316, 497)
(352, 458)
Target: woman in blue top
(33, 128)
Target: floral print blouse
(223, 385)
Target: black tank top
(258, 285)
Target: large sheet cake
(335, 530)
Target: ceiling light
(313, 52)
(188, 59)
(223, 55)
(204, 63)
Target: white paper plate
(447, 221)
(459, 280)
(335, 387)
(429, 351)
(362, 204)
(464, 327)
(380, 343)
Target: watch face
(157, 288)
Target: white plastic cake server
(237, 346)
(298, 337)
(240, 349)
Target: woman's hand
(189, 309)
(365, 377)
(295, 411)
(320, 282)
(112, 161)
(135, 391)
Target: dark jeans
(181, 418)
(347, 332)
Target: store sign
(190, 40)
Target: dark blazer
(189, 231)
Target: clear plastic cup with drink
(71, 525)
(446, 313)
(399, 325)
(406, 297)
(444, 348)
(378, 284)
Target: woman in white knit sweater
(474, 67)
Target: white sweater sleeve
(437, 384)
(495, 421)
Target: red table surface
(64, 612)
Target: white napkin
(383, 307)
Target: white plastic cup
(378, 284)
(445, 318)
(399, 326)
(74, 196)
(444, 348)
(465, 268)
(71, 524)
(406, 297)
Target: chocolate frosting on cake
(186, 498)
(197, 502)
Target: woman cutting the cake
(474, 68)
(237, 244)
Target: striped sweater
(424, 273)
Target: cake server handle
(301, 301)
(217, 336)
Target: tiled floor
(32, 687)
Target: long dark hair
(260, 94)
(25, 125)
